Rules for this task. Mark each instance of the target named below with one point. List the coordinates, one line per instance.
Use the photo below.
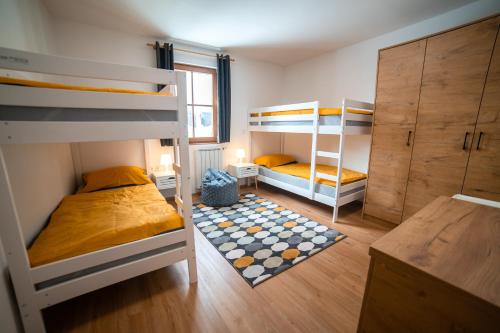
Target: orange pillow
(273, 160)
(114, 177)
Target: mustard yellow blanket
(89, 222)
(322, 112)
(51, 85)
(303, 170)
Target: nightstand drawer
(249, 171)
(164, 182)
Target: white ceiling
(278, 31)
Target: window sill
(198, 143)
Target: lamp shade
(240, 153)
(166, 159)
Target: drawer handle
(479, 140)
(408, 140)
(464, 147)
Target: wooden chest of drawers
(437, 272)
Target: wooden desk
(437, 272)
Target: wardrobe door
(482, 178)
(388, 175)
(454, 74)
(398, 89)
(398, 83)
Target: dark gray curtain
(224, 91)
(164, 60)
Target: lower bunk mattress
(88, 222)
(297, 174)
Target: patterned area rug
(260, 238)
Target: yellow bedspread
(322, 112)
(88, 222)
(303, 170)
(51, 85)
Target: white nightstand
(165, 182)
(244, 170)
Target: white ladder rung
(179, 201)
(326, 176)
(328, 154)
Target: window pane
(203, 120)
(190, 121)
(189, 91)
(203, 90)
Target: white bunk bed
(347, 122)
(43, 115)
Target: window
(201, 102)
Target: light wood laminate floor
(321, 294)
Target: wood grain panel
(398, 83)
(456, 64)
(455, 69)
(401, 300)
(437, 272)
(482, 178)
(389, 165)
(437, 164)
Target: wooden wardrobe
(437, 121)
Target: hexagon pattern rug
(261, 239)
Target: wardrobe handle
(408, 140)
(465, 141)
(479, 140)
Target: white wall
(40, 174)
(351, 72)
(99, 155)
(253, 83)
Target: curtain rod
(189, 51)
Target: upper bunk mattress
(88, 222)
(297, 174)
(52, 85)
(22, 113)
(328, 116)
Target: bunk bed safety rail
(285, 107)
(358, 105)
(56, 65)
(110, 116)
(255, 115)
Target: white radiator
(207, 158)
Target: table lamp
(240, 154)
(166, 162)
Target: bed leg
(193, 274)
(335, 213)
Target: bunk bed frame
(42, 286)
(289, 124)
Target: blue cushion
(219, 188)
